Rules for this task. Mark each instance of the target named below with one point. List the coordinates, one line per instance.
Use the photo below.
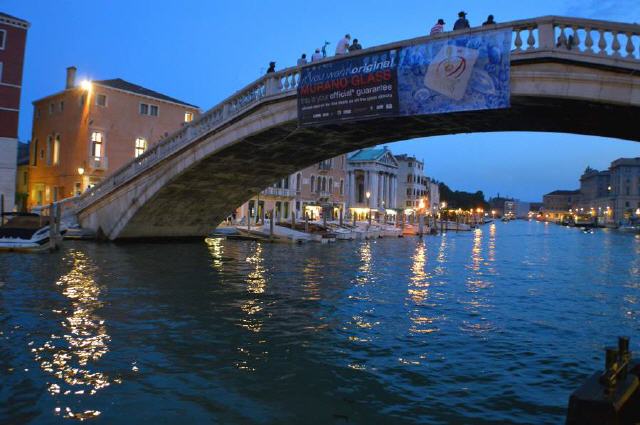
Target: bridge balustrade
(591, 40)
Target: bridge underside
(194, 202)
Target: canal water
(499, 325)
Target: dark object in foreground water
(612, 397)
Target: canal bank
(371, 331)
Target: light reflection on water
(72, 355)
(497, 325)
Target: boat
(25, 232)
(629, 228)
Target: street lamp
(368, 194)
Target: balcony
(276, 191)
(98, 162)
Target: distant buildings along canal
(611, 196)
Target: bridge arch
(192, 180)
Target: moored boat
(25, 232)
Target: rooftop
(7, 17)
(564, 192)
(369, 154)
(626, 161)
(120, 84)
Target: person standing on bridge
(302, 60)
(355, 45)
(489, 21)
(272, 67)
(438, 27)
(316, 56)
(343, 45)
(462, 22)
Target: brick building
(87, 131)
(13, 38)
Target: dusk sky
(203, 51)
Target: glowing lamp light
(368, 194)
(86, 85)
(80, 170)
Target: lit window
(188, 116)
(97, 140)
(141, 146)
(56, 150)
(101, 100)
(144, 109)
(153, 110)
(3, 39)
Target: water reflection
(216, 249)
(419, 284)
(476, 284)
(84, 340)
(253, 308)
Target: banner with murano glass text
(451, 74)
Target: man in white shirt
(316, 56)
(343, 45)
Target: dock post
(306, 223)
(52, 229)
(271, 219)
(421, 225)
(353, 214)
(341, 216)
(2, 209)
(293, 220)
(58, 220)
(324, 217)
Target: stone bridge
(192, 180)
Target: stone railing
(277, 191)
(552, 36)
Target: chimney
(71, 77)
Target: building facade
(85, 132)
(372, 176)
(311, 192)
(625, 189)
(13, 39)
(412, 194)
(22, 177)
(560, 203)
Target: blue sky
(203, 51)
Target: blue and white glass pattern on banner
(464, 73)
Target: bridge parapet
(610, 44)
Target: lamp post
(368, 194)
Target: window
(141, 146)
(56, 150)
(3, 39)
(313, 180)
(37, 113)
(61, 106)
(153, 110)
(83, 99)
(144, 109)
(0, 71)
(49, 149)
(318, 184)
(341, 187)
(188, 116)
(25, 178)
(35, 153)
(101, 100)
(97, 141)
(298, 177)
(324, 184)
(409, 203)
(330, 186)
(51, 108)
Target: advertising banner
(351, 88)
(463, 73)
